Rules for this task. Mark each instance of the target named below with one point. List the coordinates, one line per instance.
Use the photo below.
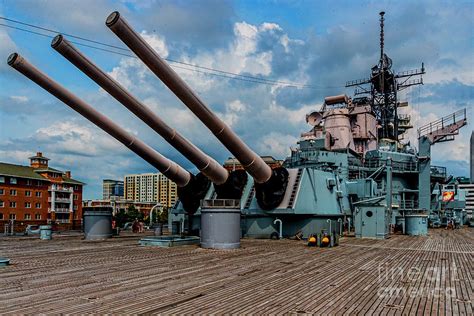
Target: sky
(320, 44)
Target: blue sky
(318, 43)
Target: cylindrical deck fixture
(97, 222)
(45, 232)
(170, 169)
(220, 224)
(416, 224)
(208, 166)
(251, 162)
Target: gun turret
(270, 184)
(207, 165)
(191, 187)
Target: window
(75, 207)
(27, 193)
(75, 197)
(38, 183)
(76, 187)
(2, 179)
(12, 216)
(38, 194)
(13, 192)
(27, 204)
(27, 216)
(2, 204)
(37, 216)
(1, 215)
(12, 204)
(13, 180)
(29, 182)
(38, 205)
(2, 192)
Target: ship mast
(381, 89)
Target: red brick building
(38, 193)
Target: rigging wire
(204, 70)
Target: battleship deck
(68, 275)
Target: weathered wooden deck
(401, 275)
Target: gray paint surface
(220, 227)
(97, 223)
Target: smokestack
(252, 163)
(170, 169)
(208, 166)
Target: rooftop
(69, 275)
(27, 172)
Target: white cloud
(276, 144)
(19, 98)
(76, 139)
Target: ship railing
(397, 166)
(408, 204)
(224, 203)
(443, 122)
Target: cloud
(452, 92)
(269, 118)
(19, 98)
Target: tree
(163, 215)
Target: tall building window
(75, 197)
(27, 216)
(1, 215)
(38, 193)
(27, 204)
(12, 216)
(29, 182)
(2, 204)
(2, 192)
(13, 192)
(2, 179)
(38, 205)
(27, 193)
(37, 216)
(13, 180)
(12, 204)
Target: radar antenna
(381, 90)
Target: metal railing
(59, 188)
(397, 166)
(227, 203)
(408, 204)
(59, 210)
(443, 122)
(60, 200)
(62, 221)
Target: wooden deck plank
(72, 276)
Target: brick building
(38, 193)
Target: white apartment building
(150, 187)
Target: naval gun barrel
(170, 169)
(251, 162)
(207, 165)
